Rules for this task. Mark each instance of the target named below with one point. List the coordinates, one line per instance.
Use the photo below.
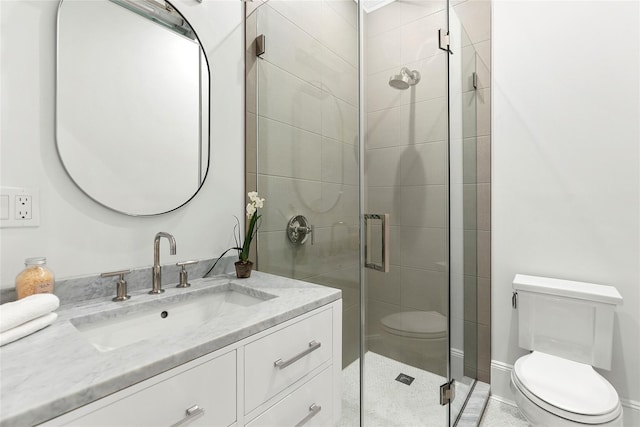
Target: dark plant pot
(243, 269)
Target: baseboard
(501, 400)
(630, 412)
(501, 391)
(500, 379)
(457, 363)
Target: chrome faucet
(157, 270)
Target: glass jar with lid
(36, 278)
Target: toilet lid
(416, 324)
(567, 385)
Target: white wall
(77, 235)
(566, 165)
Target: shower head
(405, 79)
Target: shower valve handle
(299, 229)
(307, 229)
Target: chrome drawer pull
(193, 413)
(313, 411)
(313, 345)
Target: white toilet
(417, 338)
(569, 328)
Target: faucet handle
(184, 276)
(121, 284)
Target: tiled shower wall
(302, 133)
(406, 162)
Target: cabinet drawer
(211, 386)
(308, 406)
(292, 347)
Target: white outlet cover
(9, 217)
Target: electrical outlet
(20, 207)
(24, 207)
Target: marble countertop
(57, 370)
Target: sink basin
(163, 318)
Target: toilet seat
(416, 324)
(571, 390)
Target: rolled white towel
(27, 328)
(18, 312)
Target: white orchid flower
(255, 203)
(251, 209)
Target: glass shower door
(405, 175)
(464, 214)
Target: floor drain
(405, 379)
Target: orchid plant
(255, 203)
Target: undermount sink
(164, 318)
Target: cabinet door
(211, 386)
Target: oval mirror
(132, 104)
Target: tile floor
(389, 403)
(498, 414)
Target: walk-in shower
(331, 139)
(405, 79)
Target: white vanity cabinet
(209, 387)
(287, 375)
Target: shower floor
(390, 403)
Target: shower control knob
(299, 230)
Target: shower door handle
(383, 264)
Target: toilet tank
(568, 319)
